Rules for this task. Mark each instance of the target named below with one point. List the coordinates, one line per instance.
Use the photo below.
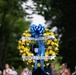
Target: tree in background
(12, 25)
(62, 14)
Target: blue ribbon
(36, 32)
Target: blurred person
(26, 72)
(64, 70)
(7, 70)
(53, 70)
(23, 72)
(0, 72)
(14, 71)
(74, 73)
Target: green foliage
(19, 70)
(49, 9)
(56, 62)
(12, 25)
(17, 29)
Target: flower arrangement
(31, 36)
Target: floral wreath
(28, 39)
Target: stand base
(39, 71)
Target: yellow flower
(55, 40)
(21, 51)
(48, 34)
(47, 29)
(29, 54)
(56, 44)
(23, 54)
(52, 43)
(38, 64)
(21, 47)
(27, 44)
(26, 34)
(49, 47)
(32, 54)
(53, 54)
(27, 41)
(46, 53)
(27, 31)
(29, 61)
(45, 34)
(19, 42)
(48, 42)
(22, 40)
(50, 52)
(51, 33)
(26, 49)
(55, 48)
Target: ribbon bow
(37, 31)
